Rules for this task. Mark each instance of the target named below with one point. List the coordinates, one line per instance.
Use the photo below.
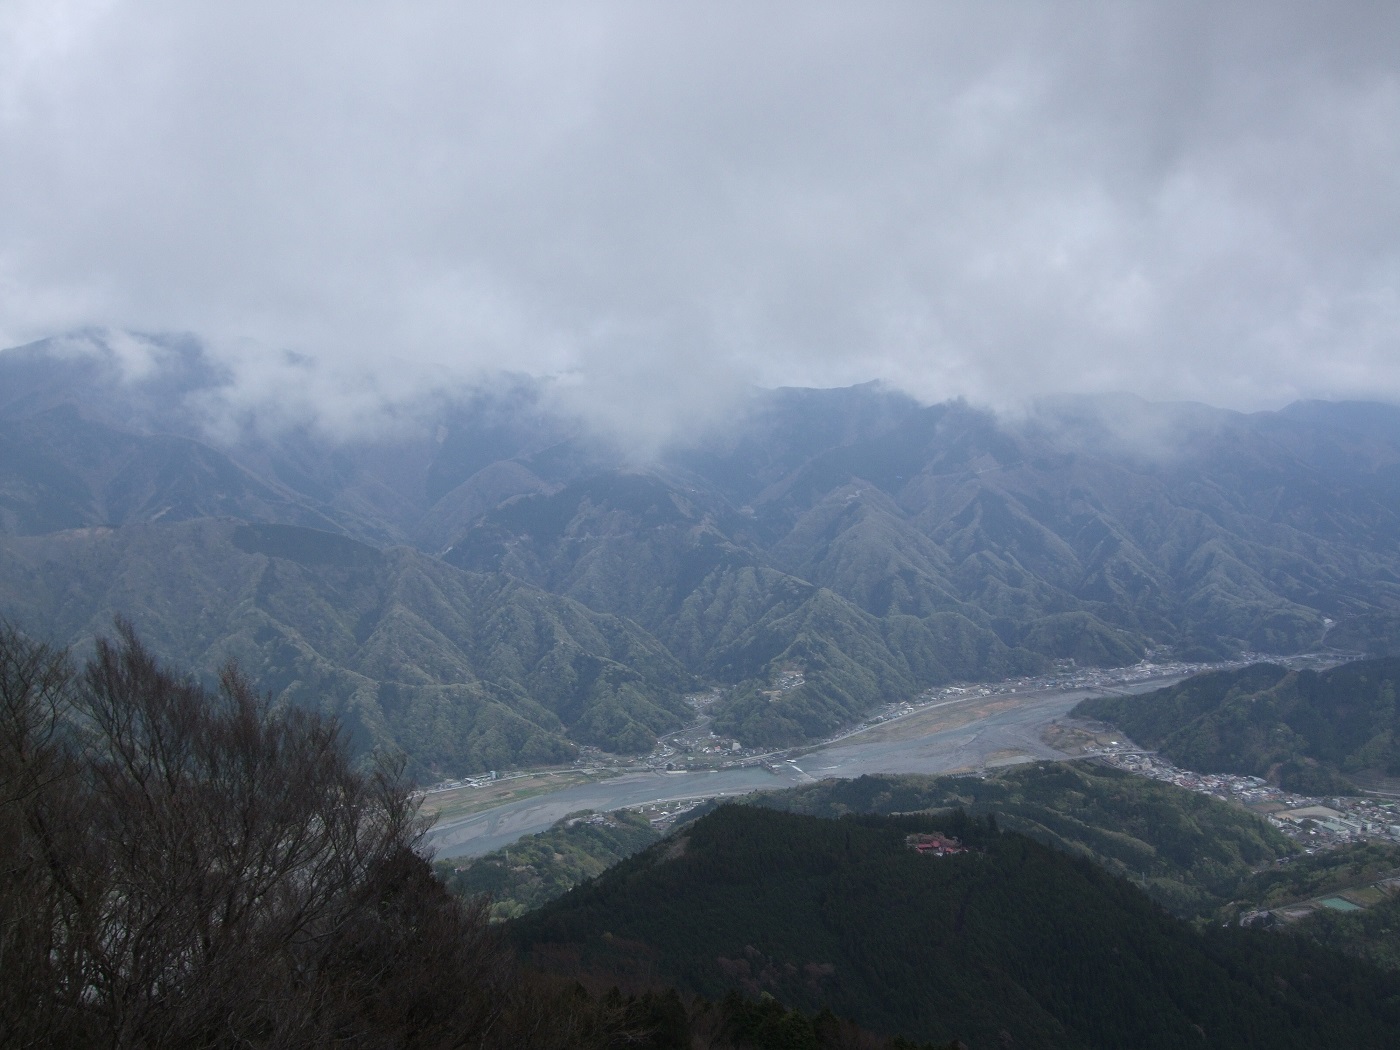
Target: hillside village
(1314, 823)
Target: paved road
(931, 740)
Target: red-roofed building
(934, 845)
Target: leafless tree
(37, 783)
(199, 868)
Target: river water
(1002, 730)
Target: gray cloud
(662, 204)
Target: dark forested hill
(1008, 944)
(1188, 851)
(1304, 730)
(1191, 853)
(852, 541)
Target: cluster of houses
(934, 845)
(1306, 820)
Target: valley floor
(961, 728)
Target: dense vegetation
(688, 570)
(457, 670)
(828, 550)
(538, 868)
(1198, 857)
(193, 868)
(1009, 944)
(195, 863)
(1304, 730)
(662, 1020)
(1371, 933)
(1311, 875)
(1188, 851)
(200, 868)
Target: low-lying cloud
(661, 205)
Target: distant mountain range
(487, 585)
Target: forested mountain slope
(1245, 532)
(1187, 851)
(852, 541)
(460, 670)
(60, 470)
(1304, 730)
(1009, 937)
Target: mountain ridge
(459, 670)
(1006, 943)
(866, 544)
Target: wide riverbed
(970, 734)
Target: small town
(1314, 823)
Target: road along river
(981, 731)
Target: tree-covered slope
(866, 543)
(538, 868)
(1367, 933)
(845, 659)
(1187, 851)
(688, 571)
(1216, 532)
(187, 867)
(1189, 540)
(1010, 937)
(1305, 730)
(462, 671)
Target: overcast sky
(662, 203)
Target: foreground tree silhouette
(182, 867)
(200, 869)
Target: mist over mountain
(826, 551)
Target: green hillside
(1188, 851)
(538, 868)
(823, 552)
(1304, 730)
(463, 672)
(1010, 943)
(1369, 933)
(688, 571)
(62, 469)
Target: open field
(937, 718)
(1078, 739)
(464, 801)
